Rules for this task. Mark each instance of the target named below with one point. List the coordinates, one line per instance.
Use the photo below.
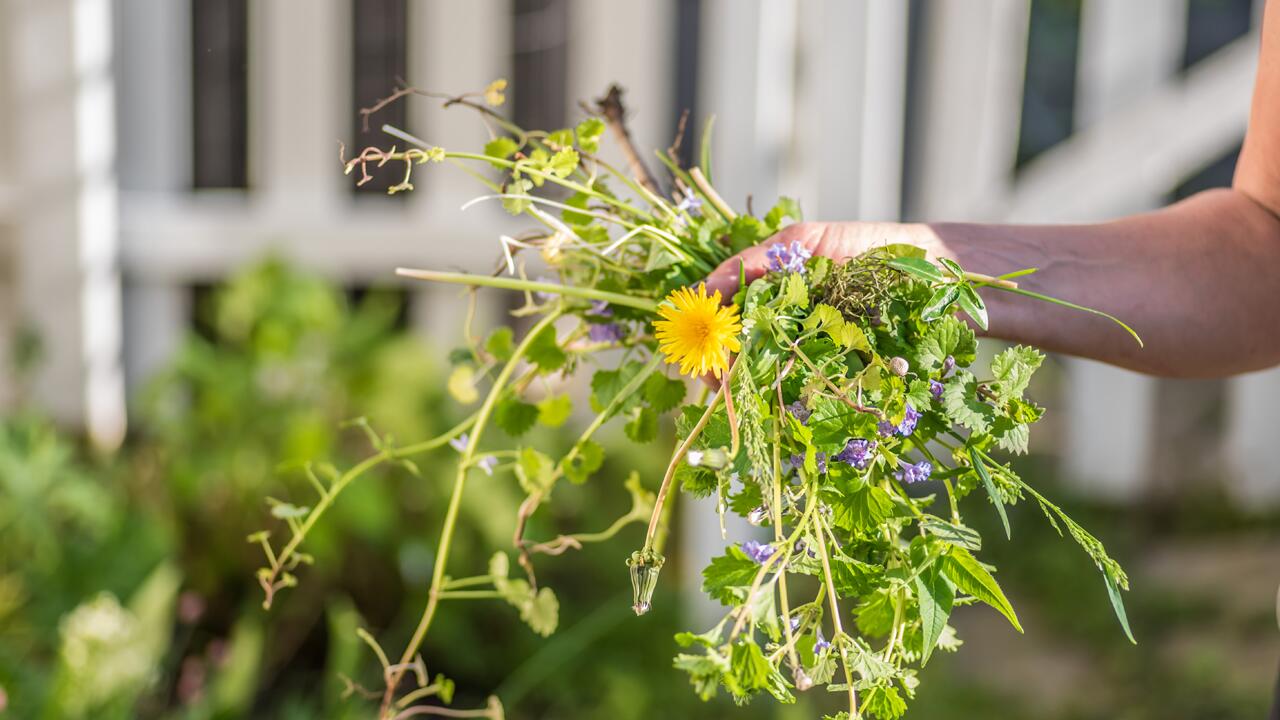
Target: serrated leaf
(545, 352)
(863, 508)
(969, 576)
(500, 344)
(963, 406)
(884, 703)
(729, 576)
(785, 208)
(563, 163)
(554, 410)
(561, 138)
(501, 147)
(948, 336)
(1012, 371)
(960, 535)
(643, 427)
(935, 596)
(794, 292)
(606, 384)
(917, 267)
(587, 460)
(514, 416)
(462, 385)
(535, 471)
(663, 393)
(589, 132)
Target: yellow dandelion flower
(697, 332)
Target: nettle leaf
(875, 614)
(514, 416)
(643, 427)
(535, 471)
(917, 267)
(884, 703)
(553, 411)
(589, 132)
(697, 481)
(545, 352)
(729, 576)
(969, 576)
(580, 465)
(935, 596)
(563, 163)
(746, 231)
(751, 672)
(1012, 371)
(949, 336)
(1011, 436)
(918, 394)
(606, 384)
(561, 138)
(663, 393)
(854, 578)
(962, 404)
(863, 508)
(500, 344)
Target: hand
(836, 240)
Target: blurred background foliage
(127, 590)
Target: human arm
(1199, 280)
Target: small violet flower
(910, 418)
(690, 202)
(918, 472)
(487, 464)
(821, 645)
(821, 459)
(600, 308)
(857, 452)
(459, 443)
(788, 259)
(800, 412)
(935, 389)
(606, 333)
(757, 551)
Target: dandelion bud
(899, 366)
(644, 565)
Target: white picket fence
(100, 238)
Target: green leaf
(704, 671)
(969, 576)
(606, 384)
(535, 471)
(959, 535)
(729, 576)
(663, 393)
(936, 597)
(917, 267)
(545, 352)
(863, 508)
(542, 612)
(785, 208)
(643, 428)
(554, 410)
(1117, 604)
(952, 267)
(519, 188)
(582, 464)
(949, 336)
(563, 163)
(972, 304)
(940, 302)
(500, 344)
(1012, 371)
(514, 416)
(751, 672)
(589, 132)
(561, 138)
(884, 703)
(962, 404)
(501, 147)
(697, 481)
(992, 492)
(795, 293)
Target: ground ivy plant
(849, 421)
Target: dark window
(1048, 97)
(220, 99)
(688, 27)
(380, 60)
(1211, 24)
(540, 58)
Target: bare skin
(1199, 280)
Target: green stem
(824, 535)
(469, 594)
(1073, 306)
(455, 500)
(529, 285)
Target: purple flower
(800, 412)
(910, 418)
(796, 461)
(487, 464)
(915, 473)
(459, 443)
(788, 259)
(948, 364)
(757, 551)
(690, 202)
(600, 308)
(821, 459)
(857, 452)
(608, 332)
(821, 645)
(543, 295)
(935, 389)
(795, 623)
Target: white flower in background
(103, 654)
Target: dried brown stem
(614, 113)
